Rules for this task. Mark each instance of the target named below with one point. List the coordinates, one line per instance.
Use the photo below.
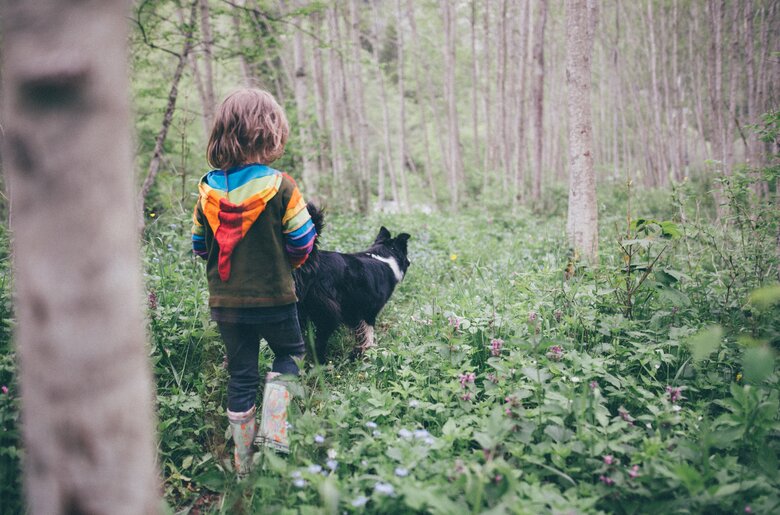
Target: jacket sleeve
(198, 235)
(298, 229)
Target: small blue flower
(414, 403)
(371, 425)
(384, 488)
(332, 464)
(376, 432)
(359, 501)
(314, 468)
(300, 483)
(421, 433)
(405, 433)
(296, 474)
(401, 472)
(319, 438)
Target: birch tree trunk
(86, 388)
(456, 159)
(538, 99)
(582, 223)
(300, 93)
(208, 63)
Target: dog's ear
(402, 239)
(383, 235)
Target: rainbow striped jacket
(251, 226)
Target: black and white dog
(348, 289)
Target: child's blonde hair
(249, 126)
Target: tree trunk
(456, 160)
(86, 387)
(208, 63)
(300, 92)
(582, 224)
(162, 134)
(360, 116)
(402, 150)
(538, 99)
(474, 80)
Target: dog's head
(387, 246)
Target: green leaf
(757, 364)
(705, 342)
(764, 298)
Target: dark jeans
(241, 331)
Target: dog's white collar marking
(393, 264)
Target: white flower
(401, 472)
(575, 379)
(295, 474)
(384, 488)
(414, 403)
(371, 425)
(405, 433)
(376, 432)
(421, 433)
(314, 468)
(332, 454)
(429, 440)
(300, 483)
(359, 501)
(649, 425)
(676, 407)
(319, 438)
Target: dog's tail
(318, 219)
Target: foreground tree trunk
(582, 223)
(86, 387)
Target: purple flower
(609, 459)
(675, 393)
(384, 488)
(555, 353)
(625, 415)
(454, 322)
(404, 433)
(152, 300)
(4, 389)
(466, 378)
(495, 346)
(466, 396)
(319, 438)
(371, 425)
(401, 472)
(359, 501)
(492, 378)
(593, 385)
(748, 509)
(634, 472)
(332, 464)
(532, 316)
(607, 480)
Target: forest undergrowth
(508, 378)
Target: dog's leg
(364, 333)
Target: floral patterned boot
(273, 422)
(244, 427)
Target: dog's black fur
(348, 289)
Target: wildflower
(593, 385)
(384, 488)
(295, 474)
(401, 472)
(152, 300)
(607, 480)
(332, 454)
(319, 438)
(421, 433)
(466, 378)
(454, 322)
(739, 378)
(359, 501)
(414, 403)
(376, 433)
(429, 440)
(634, 472)
(555, 353)
(404, 433)
(609, 459)
(460, 467)
(371, 425)
(314, 468)
(748, 509)
(453, 257)
(466, 396)
(299, 483)
(675, 393)
(332, 464)
(532, 316)
(498, 478)
(492, 378)
(4, 389)
(558, 314)
(495, 346)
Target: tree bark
(162, 134)
(86, 387)
(360, 117)
(208, 63)
(538, 98)
(456, 159)
(582, 223)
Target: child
(252, 227)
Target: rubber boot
(273, 422)
(244, 428)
